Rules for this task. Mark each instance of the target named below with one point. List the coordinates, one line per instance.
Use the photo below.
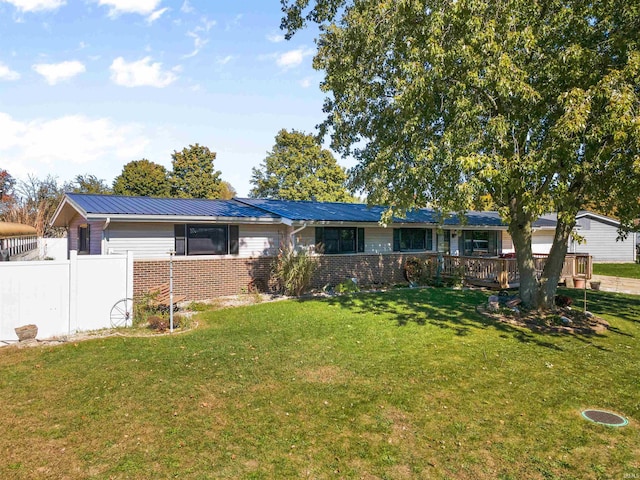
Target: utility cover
(605, 418)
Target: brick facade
(201, 278)
(206, 278)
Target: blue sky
(89, 85)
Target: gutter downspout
(291, 235)
(104, 229)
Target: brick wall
(201, 278)
(206, 278)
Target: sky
(87, 86)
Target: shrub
(563, 301)
(162, 324)
(292, 270)
(413, 270)
(347, 286)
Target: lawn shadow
(445, 308)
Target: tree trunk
(553, 266)
(538, 293)
(520, 231)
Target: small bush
(162, 324)
(347, 286)
(563, 301)
(413, 270)
(292, 270)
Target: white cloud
(35, 5)
(306, 82)
(156, 15)
(275, 38)
(56, 72)
(293, 58)
(141, 73)
(197, 34)
(148, 8)
(7, 74)
(186, 7)
(61, 144)
(198, 44)
(225, 60)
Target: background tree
(298, 168)
(7, 182)
(227, 192)
(35, 202)
(534, 103)
(143, 178)
(193, 175)
(87, 183)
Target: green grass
(404, 384)
(627, 270)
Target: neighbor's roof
(94, 207)
(11, 229)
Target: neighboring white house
(600, 239)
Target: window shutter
(180, 240)
(396, 239)
(360, 235)
(319, 235)
(234, 239)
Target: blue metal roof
(302, 211)
(359, 212)
(188, 207)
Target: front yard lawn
(627, 270)
(398, 385)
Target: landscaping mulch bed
(561, 320)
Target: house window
(340, 239)
(480, 242)
(206, 239)
(84, 238)
(412, 239)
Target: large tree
(298, 168)
(143, 178)
(87, 183)
(533, 102)
(193, 175)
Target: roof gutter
(292, 234)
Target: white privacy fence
(63, 297)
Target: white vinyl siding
(378, 240)
(541, 242)
(145, 240)
(156, 240)
(260, 240)
(600, 241)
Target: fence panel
(34, 292)
(62, 297)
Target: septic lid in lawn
(605, 418)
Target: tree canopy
(193, 175)
(143, 178)
(7, 182)
(298, 168)
(440, 101)
(87, 183)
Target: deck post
(503, 275)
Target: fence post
(73, 290)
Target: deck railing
(503, 271)
(18, 245)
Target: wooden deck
(502, 273)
